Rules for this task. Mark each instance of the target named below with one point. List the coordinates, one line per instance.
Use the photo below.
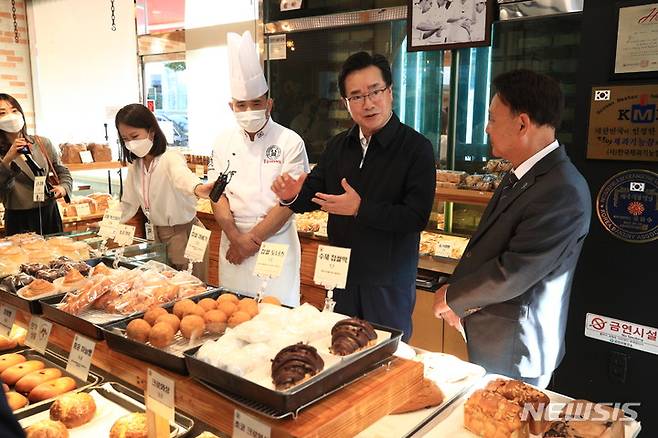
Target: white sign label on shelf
(39, 189)
(199, 170)
(269, 262)
(86, 157)
(246, 426)
(331, 265)
(7, 318)
(160, 391)
(110, 223)
(197, 244)
(443, 249)
(124, 235)
(79, 362)
(38, 333)
(82, 209)
(620, 332)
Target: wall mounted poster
(637, 39)
(623, 123)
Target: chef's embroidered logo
(273, 154)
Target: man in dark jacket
(376, 181)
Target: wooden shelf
(344, 413)
(463, 196)
(101, 165)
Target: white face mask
(140, 147)
(12, 122)
(251, 121)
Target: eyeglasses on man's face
(374, 95)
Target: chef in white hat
(259, 150)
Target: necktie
(509, 182)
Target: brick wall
(15, 75)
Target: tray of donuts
(110, 410)
(37, 281)
(162, 334)
(30, 378)
(285, 359)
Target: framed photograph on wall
(636, 49)
(444, 24)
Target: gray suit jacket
(512, 285)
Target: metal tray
(34, 306)
(171, 357)
(52, 360)
(76, 323)
(299, 396)
(121, 396)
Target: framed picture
(444, 24)
(636, 53)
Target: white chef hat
(247, 79)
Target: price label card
(110, 223)
(82, 209)
(86, 157)
(38, 333)
(7, 318)
(39, 189)
(197, 244)
(331, 265)
(160, 394)
(80, 358)
(246, 426)
(443, 249)
(199, 170)
(269, 262)
(124, 235)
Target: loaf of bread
(15, 400)
(429, 395)
(47, 429)
(525, 396)
(130, 426)
(7, 343)
(51, 389)
(30, 381)
(9, 360)
(100, 152)
(490, 415)
(71, 152)
(73, 409)
(14, 373)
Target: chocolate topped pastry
(295, 363)
(61, 262)
(32, 268)
(350, 335)
(49, 274)
(14, 282)
(82, 267)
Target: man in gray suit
(511, 288)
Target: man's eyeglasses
(374, 95)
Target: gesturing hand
(285, 187)
(346, 204)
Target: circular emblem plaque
(627, 205)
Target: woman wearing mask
(159, 182)
(22, 214)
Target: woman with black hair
(22, 214)
(160, 183)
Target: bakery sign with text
(623, 123)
